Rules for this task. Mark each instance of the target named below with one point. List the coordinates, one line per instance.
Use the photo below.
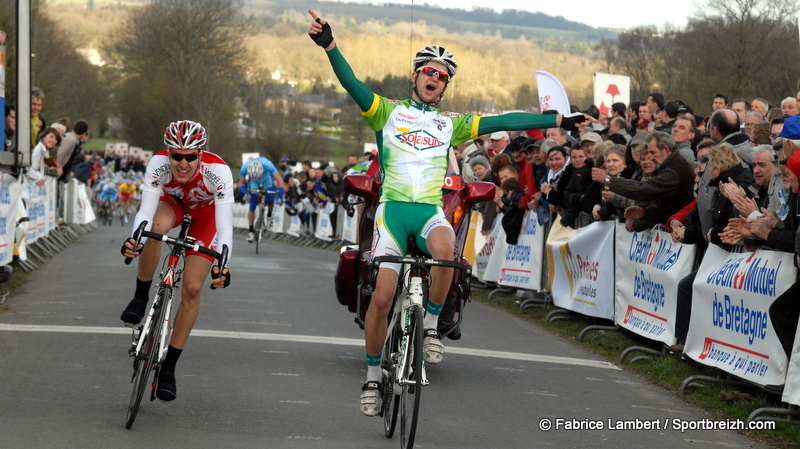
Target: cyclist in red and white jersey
(182, 179)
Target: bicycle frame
(412, 283)
(149, 348)
(414, 298)
(170, 280)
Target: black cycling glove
(324, 38)
(569, 122)
(218, 273)
(124, 248)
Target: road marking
(358, 342)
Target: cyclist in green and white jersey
(414, 140)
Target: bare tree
(639, 54)
(744, 48)
(182, 59)
(739, 47)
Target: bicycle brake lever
(136, 237)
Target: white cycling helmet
(435, 53)
(255, 170)
(185, 135)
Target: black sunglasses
(177, 157)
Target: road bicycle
(106, 213)
(401, 358)
(150, 340)
(262, 223)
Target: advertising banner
(324, 229)
(475, 223)
(247, 156)
(552, 95)
(82, 206)
(295, 226)
(791, 392)
(610, 89)
(489, 259)
(730, 327)
(21, 233)
(9, 198)
(558, 233)
(522, 263)
(121, 149)
(583, 268)
(277, 218)
(35, 206)
(111, 150)
(648, 267)
(350, 228)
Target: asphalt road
(275, 361)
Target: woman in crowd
(578, 183)
(646, 168)
(558, 177)
(724, 164)
(614, 157)
(41, 161)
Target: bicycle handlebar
(423, 261)
(222, 259)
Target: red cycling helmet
(185, 135)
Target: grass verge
(723, 401)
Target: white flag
(551, 93)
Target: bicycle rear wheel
(145, 361)
(409, 397)
(391, 400)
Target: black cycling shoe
(444, 328)
(134, 313)
(167, 390)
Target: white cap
(498, 135)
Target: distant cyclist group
(115, 195)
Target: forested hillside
(379, 41)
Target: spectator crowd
(728, 179)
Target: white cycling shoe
(250, 237)
(371, 398)
(432, 347)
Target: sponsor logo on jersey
(419, 140)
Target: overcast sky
(616, 13)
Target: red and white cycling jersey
(207, 195)
(211, 183)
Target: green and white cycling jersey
(414, 143)
(414, 139)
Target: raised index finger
(313, 15)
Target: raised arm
(320, 33)
(523, 121)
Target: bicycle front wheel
(145, 362)
(391, 400)
(409, 397)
